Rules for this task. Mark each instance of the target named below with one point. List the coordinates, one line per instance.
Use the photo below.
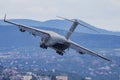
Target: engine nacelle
(22, 30)
(34, 34)
(81, 52)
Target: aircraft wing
(83, 50)
(33, 31)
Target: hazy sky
(101, 13)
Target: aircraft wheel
(43, 46)
(60, 53)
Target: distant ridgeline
(62, 25)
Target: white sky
(104, 14)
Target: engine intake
(22, 30)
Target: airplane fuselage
(57, 42)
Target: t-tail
(74, 25)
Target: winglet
(5, 17)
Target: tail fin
(74, 25)
(71, 30)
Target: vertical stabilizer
(74, 25)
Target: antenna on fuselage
(74, 25)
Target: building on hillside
(44, 78)
(61, 77)
(27, 77)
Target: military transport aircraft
(56, 41)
